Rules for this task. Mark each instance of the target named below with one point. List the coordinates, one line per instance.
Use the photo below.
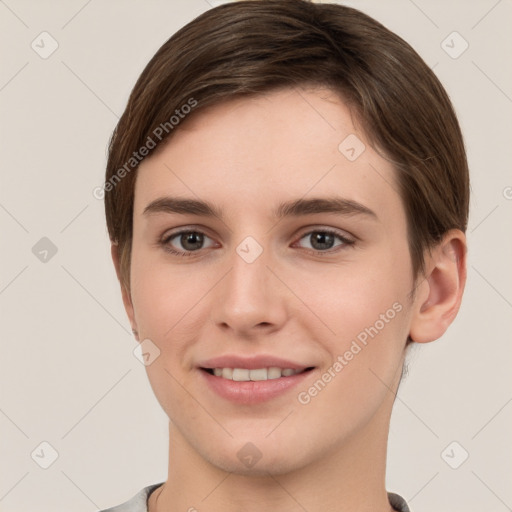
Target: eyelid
(347, 242)
(349, 237)
(170, 233)
(164, 240)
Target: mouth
(252, 386)
(255, 374)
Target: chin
(277, 465)
(256, 456)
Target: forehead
(256, 151)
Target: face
(267, 242)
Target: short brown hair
(254, 46)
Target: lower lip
(253, 392)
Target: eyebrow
(294, 208)
(336, 205)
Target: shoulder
(397, 502)
(138, 503)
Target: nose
(250, 300)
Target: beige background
(69, 377)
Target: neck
(351, 477)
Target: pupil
(322, 240)
(191, 241)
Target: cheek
(345, 300)
(165, 307)
(364, 357)
(163, 296)
(362, 323)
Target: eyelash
(346, 242)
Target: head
(318, 167)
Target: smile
(257, 374)
(253, 386)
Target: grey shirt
(139, 503)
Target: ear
(127, 299)
(439, 295)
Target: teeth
(259, 374)
(240, 374)
(227, 373)
(274, 372)
(245, 375)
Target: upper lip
(251, 363)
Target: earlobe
(127, 299)
(440, 294)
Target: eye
(184, 243)
(323, 240)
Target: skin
(247, 156)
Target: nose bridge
(247, 296)
(248, 279)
